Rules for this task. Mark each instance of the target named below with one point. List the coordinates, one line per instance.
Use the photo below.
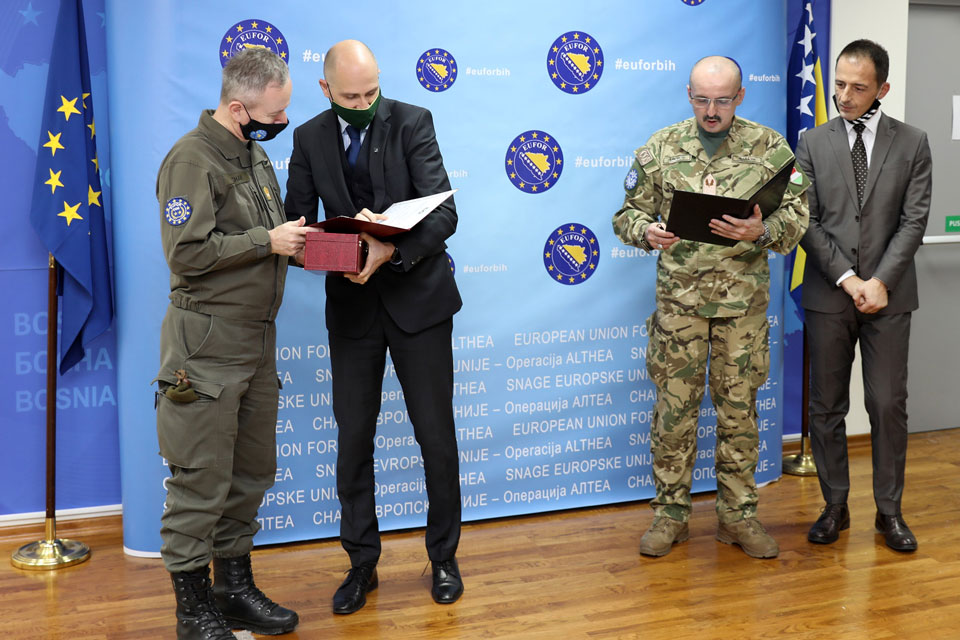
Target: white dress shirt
(869, 136)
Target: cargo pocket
(760, 357)
(189, 432)
(656, 356)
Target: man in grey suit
(868, 210)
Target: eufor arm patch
(177, 211)
(633, 178)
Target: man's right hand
(658, 237)
(289, 238)
(854, 288)
(366, 214)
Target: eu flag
(807, 109)
(67, 211)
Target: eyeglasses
(722, 103)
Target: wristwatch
(764, 238)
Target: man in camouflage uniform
(711, 301)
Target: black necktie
(354, 149)
(859, 153)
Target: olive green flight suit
(218, 198)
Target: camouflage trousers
(677, 355)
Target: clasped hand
(869, 296)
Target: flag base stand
(51, 553)
(801, 464)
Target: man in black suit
(868, 210)
(357, 158)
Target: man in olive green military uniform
(227, 243)
(711, 301)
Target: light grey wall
(933, 77)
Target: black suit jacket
(405, 163)
(877, 240)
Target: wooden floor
(574, 574)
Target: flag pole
(803, 464)
(51, 552)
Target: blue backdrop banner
(49, 165)
(538, 108)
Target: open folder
(401, 216)
(691, 213)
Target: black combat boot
(243, 604)
(198, 618)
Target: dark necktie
(354, 151)
(859, 153)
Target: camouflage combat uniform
(711, 301)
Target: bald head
(348, 58)
(351, 75)
(715, 68)
(715, 92)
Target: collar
(871, 123)
(227, 143)
(344, 124)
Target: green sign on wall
(953, 224)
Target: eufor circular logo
(247, 34)
(436, 70)
(177, 211)
(534, 161)
(571, 254)
(575, 62)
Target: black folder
(691, 213)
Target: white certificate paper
(404, 215)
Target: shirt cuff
(846, 274)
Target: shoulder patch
(177, 211)
(644, 156)
(798, 181)
(630, 182)
(781, 156)
(646, 161)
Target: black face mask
(260, 131)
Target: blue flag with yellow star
(67, 209)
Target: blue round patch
(436, 70)
(692, 3)
(534, 161)
(575, 62)
(177, 211)
(571, 254)
(631, 180)
(453, 266)
(247, 34)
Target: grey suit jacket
(878, 240)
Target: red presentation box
(335, 252)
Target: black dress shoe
(352, 594)
(447, 585)
(834, 519)
(896, 532)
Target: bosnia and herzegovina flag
(806, 108)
